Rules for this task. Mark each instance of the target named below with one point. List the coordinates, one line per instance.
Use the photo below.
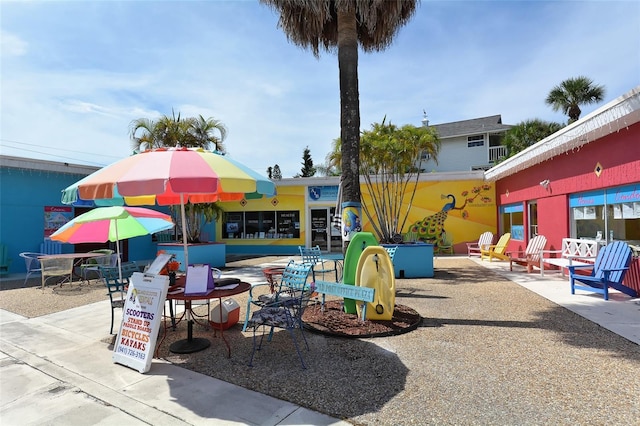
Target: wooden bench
(363, 294)
(575, 251)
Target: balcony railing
(495, 152)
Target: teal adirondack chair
(5, 261)
(609, 270)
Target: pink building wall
(617, 153)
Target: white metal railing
(495, 152)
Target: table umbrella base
(188, 346)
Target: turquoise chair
(313, 256)
(5, 261)
(283, 309)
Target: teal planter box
(413, 260)
(213, 254)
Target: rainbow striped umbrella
(112, 224)
(170, 176)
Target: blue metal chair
(283, 309)
(117, 288)
(93, 264)
(609, 270)
(313, 256)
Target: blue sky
(74, 74)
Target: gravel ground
(487, 352)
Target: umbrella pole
(184, 233)
(118, 252)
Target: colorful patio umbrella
(170, 176)
(115, 223)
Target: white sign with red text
(141, 319)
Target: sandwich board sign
(141, 318)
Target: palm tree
(204, 131)
(191, 133)
(344, 24)
(174, 131)
(527, 133)
(573, 92)
(389, 156)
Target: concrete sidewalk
(57, 369)
(620, 314)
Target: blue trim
(512, 208)
(624, 194)
(591, 198)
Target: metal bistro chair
(93, 265)
(116, 288)
(56, 267)
(283, 309)
(313, 256)
(32, 264)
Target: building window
(612, 214)
(512, 220)
(477, 140)
(259, 225)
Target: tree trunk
(349, 107)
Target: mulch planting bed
(335, 322)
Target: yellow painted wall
(473, 214)
(474, 211)
(288, 198)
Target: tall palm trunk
(349, 106)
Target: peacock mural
(431, 229)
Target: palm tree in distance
(204, 131)
(573, 92)
(527, 133)
(344, 24)
(175, 131)
(189, 133)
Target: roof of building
(491, 124)
(611, 118)
(45, 165)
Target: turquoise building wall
(24, 193)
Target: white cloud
(12, 45)
(75, 74)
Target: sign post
(142, 315)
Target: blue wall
(23, 195)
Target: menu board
(142, 314)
